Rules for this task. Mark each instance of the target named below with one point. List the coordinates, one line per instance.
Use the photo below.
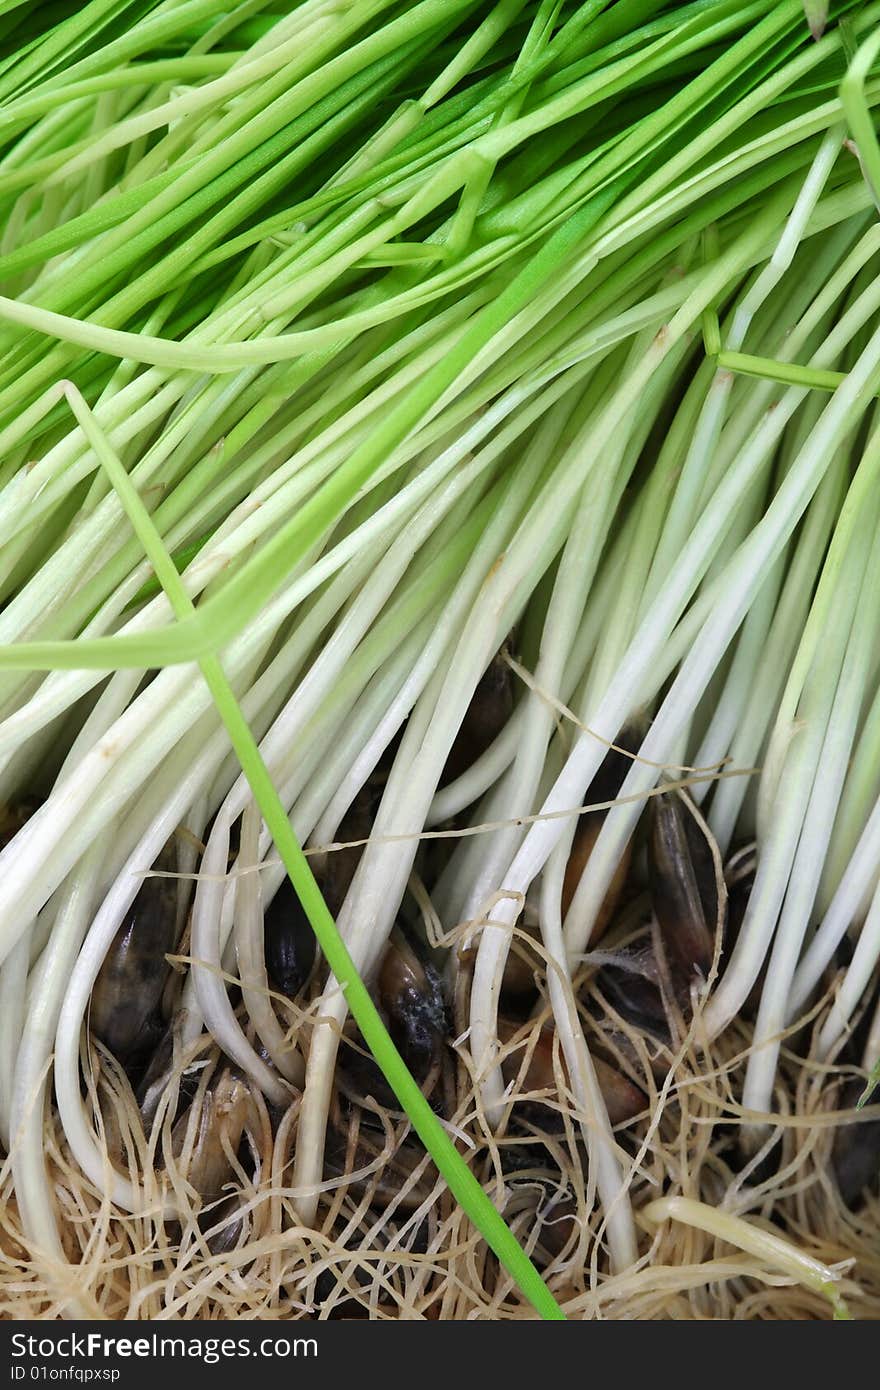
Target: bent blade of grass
(776, 1252)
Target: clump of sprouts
(442, 438)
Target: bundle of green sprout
(351, 350)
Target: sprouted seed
(439, 697)
(411, 994)
(206, 1138)
(288, 942)
(124, 1010)
(687, 894)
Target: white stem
(834, 711)
(596, 1126)
(855, 981)
(861, 873)
(214, 898)
(36, 1202)
(251, 957)
(13, 993)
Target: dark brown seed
(222, 1233)
(340, 865)
(223, 1115)
(13, 816)
(158, 1075)
(615, 766)
(288, 941)
(528, 1162)
(129, 987)
(522, 965)
(635, 993)
(585, 838)
(411, 995)
(855, 1155)
(622, 1098)
(684, 887)
(485, 717)
(711, 884)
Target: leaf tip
(816, 12)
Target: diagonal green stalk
(461, 1181)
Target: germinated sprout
(470, 412)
